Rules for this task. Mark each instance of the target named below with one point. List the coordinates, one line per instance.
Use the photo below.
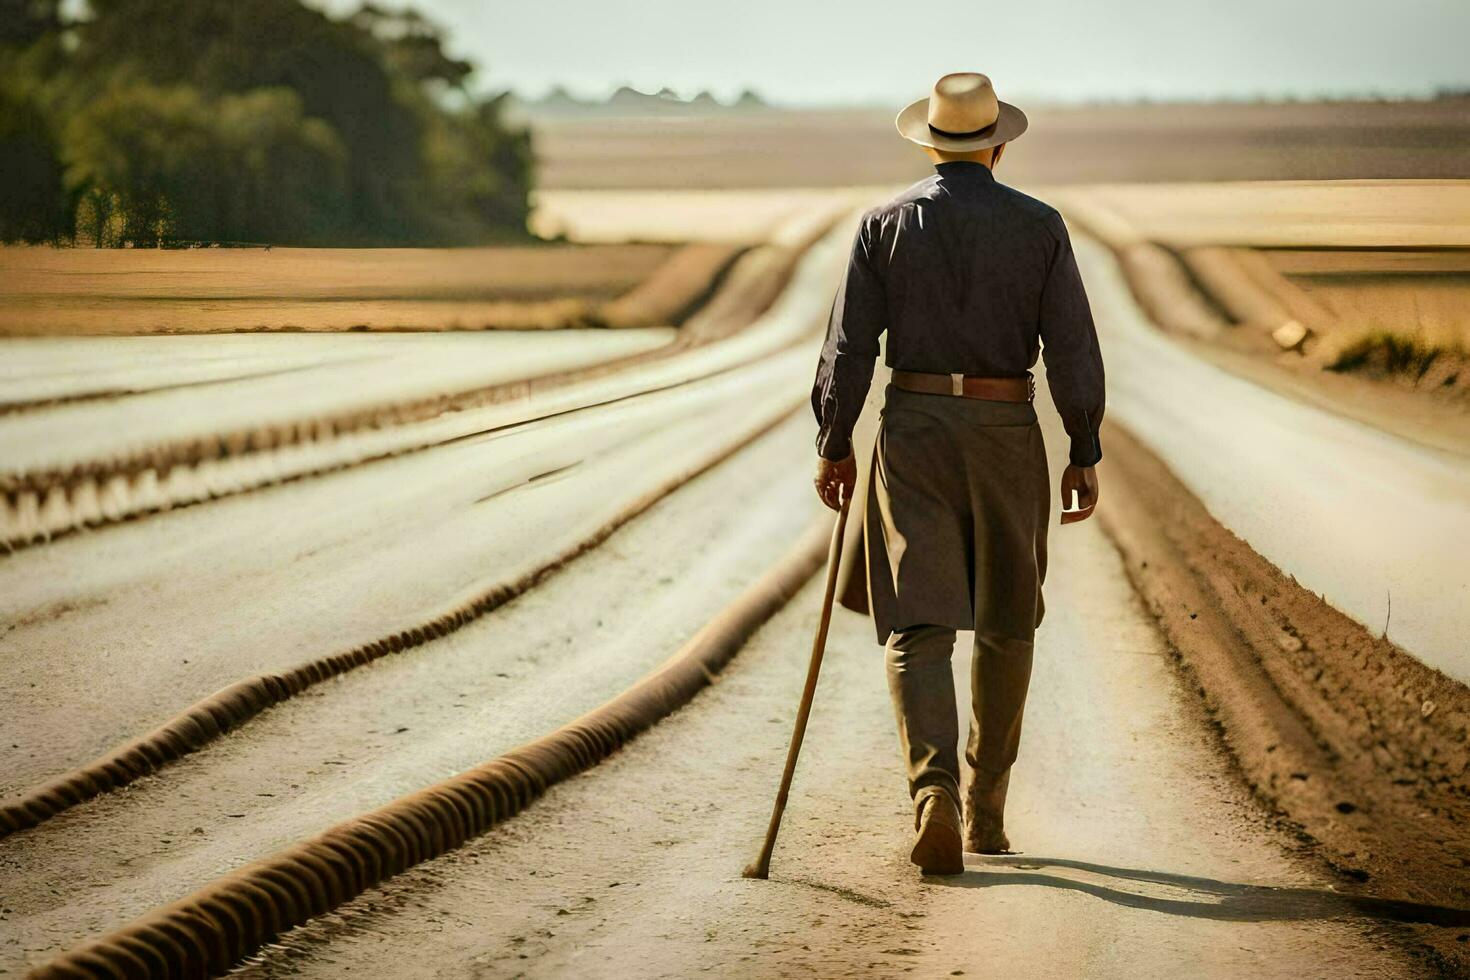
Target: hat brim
(913, 125)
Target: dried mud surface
(1360, 747)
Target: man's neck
(967, 168)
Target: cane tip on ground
(755, 871)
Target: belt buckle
(956, 384)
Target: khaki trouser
(922, 683)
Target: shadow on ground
(1211, 899)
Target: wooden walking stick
(761, 867)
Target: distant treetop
(153, 121)
(627, 99)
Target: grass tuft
(1412, 357)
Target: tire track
(1360, 746)
(212, 717)
(217, 926)
(43, 502)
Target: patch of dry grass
(1424, 361)
(1409, 326)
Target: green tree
(478, 174)
(34, 206)
(148, 154)
(286, 173)
(157, 164)
(412, 45)
(24, 22)
(250, 120)
(231, 46)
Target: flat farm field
(1065, 144)
(48, 291)
(1298, 214)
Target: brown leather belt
(968, 386)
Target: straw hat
(962, 114)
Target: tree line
(154, 122)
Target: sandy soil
(1401, 410)
(1434, 306)
(1334, 263)
(359, 374)
(371, 736)
(1374, 275)
(1401, 319)
(1372, 214)
(1287, 477)
(510, 272)
(1064, 145)
(93, 622)
(1140, 857)
(1357, 742)
(1141, 854)
(684, 214)
(773, 296)
(210, 374)
(1359, 745)
(50, 292)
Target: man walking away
(970, 279)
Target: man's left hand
(1082, 481)
(835, 480)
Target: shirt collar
(964, 168)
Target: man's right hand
(1083, 480)
(834, 478)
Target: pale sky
(882, 51)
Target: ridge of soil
(1213, 320)
(1362, 749)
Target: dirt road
(189, 387)
(1140, 856)
(95, 621)
(383, 731)
(1141, 852)
(1373, 522)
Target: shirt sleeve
(859, 317)
(1074, 367)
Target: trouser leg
(1000, 674)
(921, 681)
(999, 678)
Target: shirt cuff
(832, 446)
(1086, 450)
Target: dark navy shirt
(966, 276)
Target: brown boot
(985, 807)
(937, 848)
